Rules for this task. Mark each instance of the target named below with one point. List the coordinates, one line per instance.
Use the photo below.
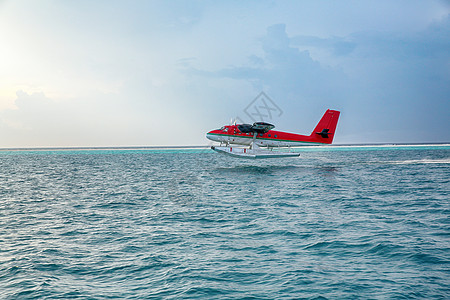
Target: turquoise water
(336, 223)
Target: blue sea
(336, 223)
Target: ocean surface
(336, 223)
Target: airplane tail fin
(325, 129)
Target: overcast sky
(143, 73)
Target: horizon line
(44, 148)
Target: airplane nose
(211, 137)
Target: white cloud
(393, 86)
(128, 73)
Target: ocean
(336, 223)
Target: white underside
(253, 153)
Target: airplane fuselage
(262, 135)
(232, 135)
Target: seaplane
(264, 142)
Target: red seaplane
(260, 135)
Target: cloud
(336, 45)
(392, 86)
(301, 86)
(404, 82)
(119, 74)
(138, 115)
(41, 121)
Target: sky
(152, 73)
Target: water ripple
(132, 225)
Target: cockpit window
(224, 129)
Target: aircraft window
(269, 135)
(260, 134)
(224, 129)
(275, 136)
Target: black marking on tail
(324, 133)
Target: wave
(421, 161)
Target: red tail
(324, 131)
